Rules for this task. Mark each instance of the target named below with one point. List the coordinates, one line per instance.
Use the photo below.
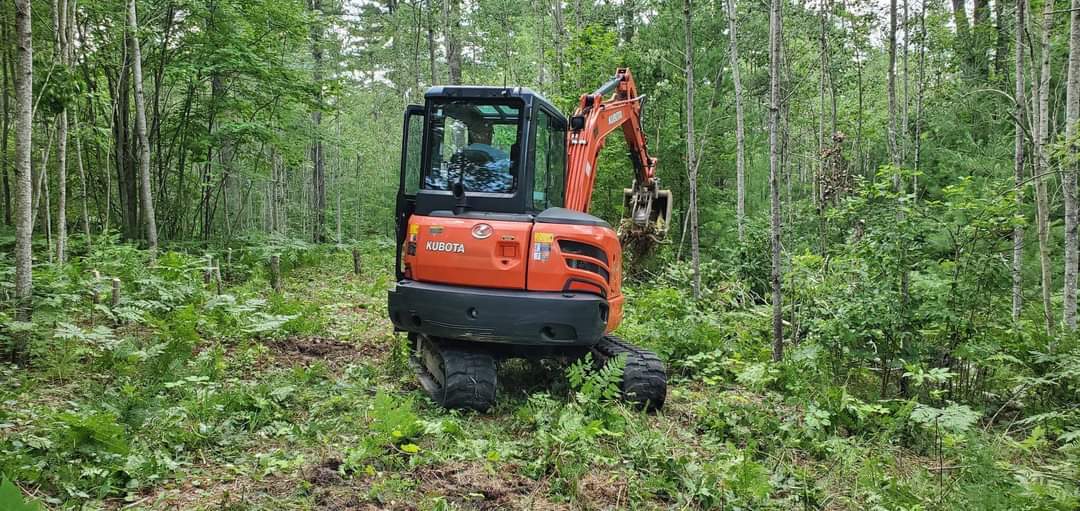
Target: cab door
(409, 175)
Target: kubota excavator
(498, 256)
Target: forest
(866, 298)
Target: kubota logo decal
(442, 246)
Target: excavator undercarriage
(462, 375)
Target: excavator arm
(616, 104)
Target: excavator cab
(490, 264)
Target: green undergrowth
(184, 397)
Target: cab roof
(529, 96)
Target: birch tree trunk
(24, 79)
(1020, 114)
(1072, 115)
(47, 197)
(691, 155)
(774, 174)
(1041, 132)
(60, 47)
(145, 194)
(740, 131)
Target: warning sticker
(543, 237)
(414, 229)
(541, 251)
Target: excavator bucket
(648, 213)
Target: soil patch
(326, 473)
(604, 490)
(304, 351)
(476, 486)
(331, 491)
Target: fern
(261, 322)
(595, 385)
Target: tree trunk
(431, 43)
(859, 121)
(1072, 115)
(1041, 131)
(24, 80)
(45, 212)
(894, 150)
(337, 190)
(1018, 168)
(902, 131)
(819, 162)
(897, 162)
(578, 24)
(78, 140)
(919, 93)
(60, 47)
(85, 199)
(629, 15)
(740, 129)
(318, 162)
(774, 183)
(963, 36)
(6, 129)
(61, 187)
(146, 196)
(451, 22)
(541, 38)
(691, 155)
(560, 33)
(1001, 48)
(981, 35)
(125, 172)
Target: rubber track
(644, 382)
(470, 379)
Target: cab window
(550, 174)
(474, 143)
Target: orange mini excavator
(498, 256)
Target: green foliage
(11, 498)
(953, 418)
(392, 425)
(595, 386)
(210, 377)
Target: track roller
(455, 375)
(644, 382)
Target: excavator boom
(617, 104)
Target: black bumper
(498, 315)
